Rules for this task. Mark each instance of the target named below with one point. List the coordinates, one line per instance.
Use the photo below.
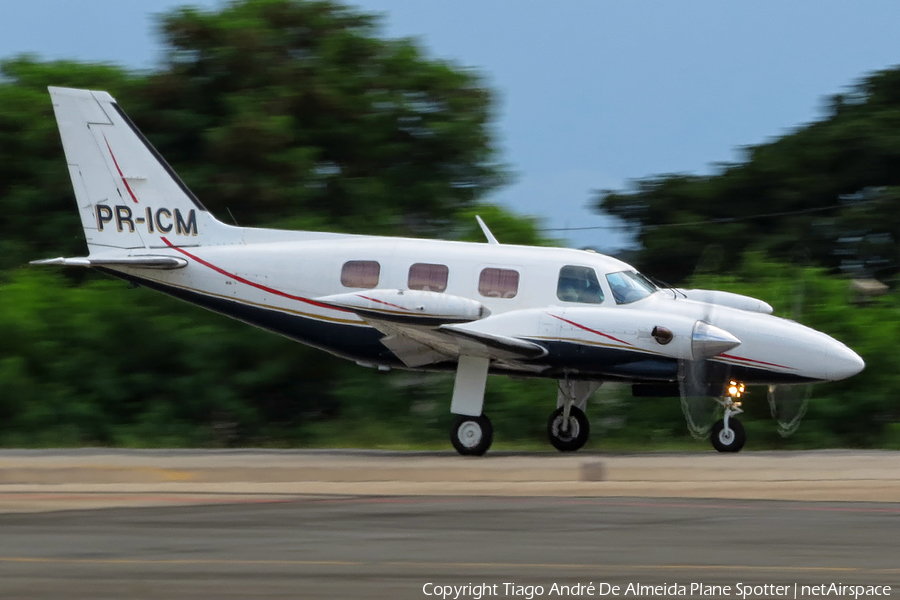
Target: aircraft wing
(493, 345)
(418, 346)
(424, 327)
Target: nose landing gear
(728, 433)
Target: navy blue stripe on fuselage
(353, 342)
(614, 363)
(618, 364)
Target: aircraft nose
(808, 353)
(846, 363)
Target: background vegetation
(298, 114)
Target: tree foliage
(302, 108)
(829, 191)
(39, 217)
(298, 114)
(280, 113)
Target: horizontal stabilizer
(137, 262)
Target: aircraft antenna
(487, 232)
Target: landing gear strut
(727, 433)
(471, 433)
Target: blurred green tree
(828, 190)
(38, 217)
(283, 113)
(298, 114)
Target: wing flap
(413, 353)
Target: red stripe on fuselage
(385, 303)
(251, 283)
(591, 330)
(122, 175)
(759, 362)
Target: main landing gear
(569, 432)
(728, 433)
(568, 427)
(472, 433)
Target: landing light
(735, 389)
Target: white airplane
(576, 316)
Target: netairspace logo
(477, 591)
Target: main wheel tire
(577, 434)
(471, 436)
(731, 441)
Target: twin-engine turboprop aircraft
(575, 316)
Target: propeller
(699, 413)
(788, 403)
(701, 382)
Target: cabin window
(498, 283)
(628, 286)
(360, 274)
(431, 278)
(579, 284)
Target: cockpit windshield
(629, 286)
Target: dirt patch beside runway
(90, 478)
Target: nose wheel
(728, 440)
(728, 433)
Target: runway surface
(103, 524)
(390, 547)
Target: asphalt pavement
(101, 524)
(393, 547)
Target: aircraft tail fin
(128, 196)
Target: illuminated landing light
(735, 389)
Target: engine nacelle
(729, 299)
(414, 307)
(664, 334)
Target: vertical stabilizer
(128, 196)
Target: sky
(591, 94)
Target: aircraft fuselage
(276, 286)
